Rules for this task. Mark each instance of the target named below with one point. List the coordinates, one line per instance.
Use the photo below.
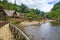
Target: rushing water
(45, 31)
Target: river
(45, 31)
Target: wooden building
(2, 15)
(10, 13)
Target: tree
(5, 1)
(56, 6)
(23, 8)
(55, 12)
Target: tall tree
(23, 8)
(55, 12)
(4, 0)
(56, 6)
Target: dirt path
(5, 33)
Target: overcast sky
(43, 5)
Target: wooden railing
(18, 34)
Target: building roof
(20, 14)
(9, 12)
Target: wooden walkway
(5, 33)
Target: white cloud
(11, 1)
(40, 4)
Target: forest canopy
(33, 13)
(55, 12)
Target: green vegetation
(29, 13)
(55, 24)
(55, 12)
(32, 14)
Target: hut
(30, 19)
(9, 12)
(2, 14)
(14, 14)
(21, 15)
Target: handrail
(16, 31)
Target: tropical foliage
(55, 12)
(33, 13)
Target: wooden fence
(18, 34)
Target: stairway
(5, 33)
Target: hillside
(56, 6)
(8, 6)
(34, 14)
(55, 12)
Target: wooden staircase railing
(18, 34)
